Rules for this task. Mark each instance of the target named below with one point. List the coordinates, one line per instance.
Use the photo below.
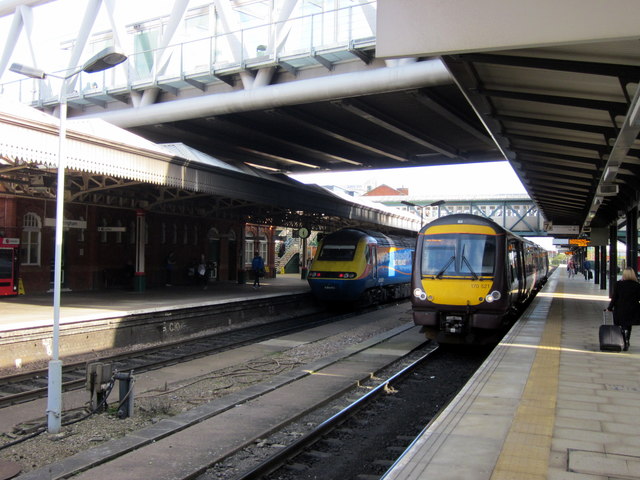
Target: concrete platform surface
(546, 405)
(37, 310)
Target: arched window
(31, 239)
(263, 248)
(249, 248)
(119, 232)
(104, 235)
(81, 232)
(213, 234)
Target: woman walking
(625, 303)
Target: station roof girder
(123, 170)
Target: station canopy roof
(107, 165)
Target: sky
(486, 178)
(47, 33)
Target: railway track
(271, 405)
(25, 387)
(366, 437)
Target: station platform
(546, 405)
(30, 311)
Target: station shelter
(135, 210)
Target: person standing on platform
(202, 272)
(571, 266)
(625, 303)
(257, 266)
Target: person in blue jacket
(257, 266)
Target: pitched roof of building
(385, 190)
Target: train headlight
(347, 275)
(419, 293)
(493, 296)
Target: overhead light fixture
(27, 71)
(608, 190)
(610, 172)
(104, 59)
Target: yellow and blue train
(362, 267)
(471, 277)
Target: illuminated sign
(581, 242)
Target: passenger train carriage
(362, 266)
(471, 276)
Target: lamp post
(103, 60)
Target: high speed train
(362, 266)
(471, 277)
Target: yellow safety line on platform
(525, 453)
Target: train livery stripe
(473, 229)
(456, 292)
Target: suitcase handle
(604, 316)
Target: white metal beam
(8, 7)
(161, 59)
(22, 17)
(91, 12)
(415, 75)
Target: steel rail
(287, 453)
(18, 382)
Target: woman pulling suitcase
(625, 303)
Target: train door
(9, 248)
(516, 274)
(373, 260)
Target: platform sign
(112, 229)
(580, 242)
(51, 222)
(564, 230)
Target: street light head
(27, 71)
(103, 60)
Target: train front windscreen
(337, 253)
(458, 255)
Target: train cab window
(339, 253)
(458, 255)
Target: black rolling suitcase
(611, 339)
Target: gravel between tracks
(152, 406)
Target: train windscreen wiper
(444, 269)
(466, 262)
